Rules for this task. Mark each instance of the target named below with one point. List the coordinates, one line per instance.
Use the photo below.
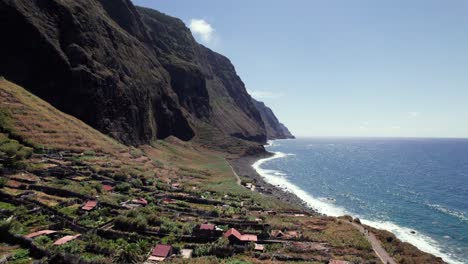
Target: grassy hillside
(52, 164)
(30, 118)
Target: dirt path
(376, 245)
(238, 179)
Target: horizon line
(382, 137)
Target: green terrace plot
(16, 254)
(210, 170)
(21, 220)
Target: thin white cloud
(202, 29)
(414, 114)
(262, 95)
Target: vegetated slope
(274, 128)
(51, 164)
(132, 73)
(37, 123)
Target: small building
(207, 231)
(90, 205)
(285, 234)
(168, 200)
(160, 252)
(259, 247)
(186, 253)
(277, 233)
(65, 239)
(235, 237)
(140, 201)
(107, 188)
(249, 238)
(40, 233)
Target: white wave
(323, 206)
(278, 179)
(419, 240)
(460, 215)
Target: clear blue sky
(341, 67)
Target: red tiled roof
(207, 227)
(66, 239)
(89, 205)
(161, 251)
(140, 201)
(233, 232)
(107, 188)
(40, 233)
(249, 237)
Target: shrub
(168, 226)
(136, 153)
(137, 183)
(215, 213)
(122, 187)
(3, 181)
(131, 224)
(12, 153)
(90, 153)
(20, 253)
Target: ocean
(415, 188)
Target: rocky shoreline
(243, 167)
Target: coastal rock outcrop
(274, 128)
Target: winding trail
(238, 179)
(376, 245)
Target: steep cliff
(206, 82)
(274, 128)
(87, 58)
(133, 73)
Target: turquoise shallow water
(401, 185)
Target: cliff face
(205, 81)
(88, 59)
(133, 73)
(274, 128)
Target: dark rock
(274, 128)
(130, 72)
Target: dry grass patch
(37, 121)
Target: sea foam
(321, 205)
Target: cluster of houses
(58, 242)
(162, 252)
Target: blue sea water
(401, 185)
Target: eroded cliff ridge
(133, 73)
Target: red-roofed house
(90, 205)
(208, 227)
(40, 233)
(66, 239)
(249, 238)
(236, 237)
(207, 231)
(160, 252)
(108, 188)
